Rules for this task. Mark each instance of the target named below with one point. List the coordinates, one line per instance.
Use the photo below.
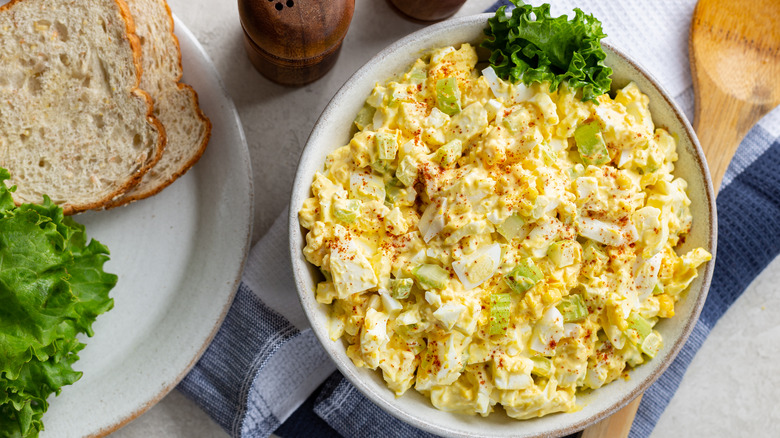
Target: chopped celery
(400, 288)
(418, 73)
(564, 253)
(386, 144)
(398, 194)
(640, 326)
(511, 227)
(417, 76)
(593, 251)
(499, 313)
(590, 144)
(432, 276)
(346, 210)
(407, 171)
(573, 308)
(524, 276)
(365, 117)
(542, 366)
(448, 154)
(448, 96)
(658, 289)
(652, 344)
(402, 330)
(383, 166)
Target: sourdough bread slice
(175, 104)
(73, 123)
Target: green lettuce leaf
(531, 45)
(52, 287)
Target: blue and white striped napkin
(265, 371)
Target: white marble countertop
(729, 388)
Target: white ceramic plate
(179, 257)
(332, 130)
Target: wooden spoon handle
(721, 122)
(618, 425)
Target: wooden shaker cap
(294, 42)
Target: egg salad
(490, 243)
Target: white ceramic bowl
(332, 130)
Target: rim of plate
(428, 38)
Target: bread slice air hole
(61, 31)
(34, 85)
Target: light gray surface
(728, 390)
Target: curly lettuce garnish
(531, 45)
(52, 287)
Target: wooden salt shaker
(428, 10)
(294, 42)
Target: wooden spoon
(734, 51)
(735, 63)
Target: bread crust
(8, 5)
(135, 195)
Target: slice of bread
(73, 123)
(175, 104)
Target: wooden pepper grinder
(428, 10)
(294, 42)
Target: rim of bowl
(349, 370)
